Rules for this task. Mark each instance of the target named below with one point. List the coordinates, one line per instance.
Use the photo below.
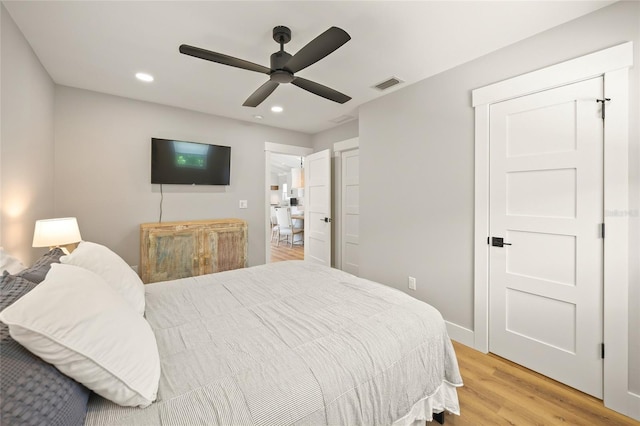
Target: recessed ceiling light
(277, 109)
(258, 117)
(144, 77)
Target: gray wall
(103, 163)
(26, 169)
(325, 139)
(417, 168)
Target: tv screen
(189, 163)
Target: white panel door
(546, 201)
(317, 212)
(350, 211)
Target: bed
(279, 344)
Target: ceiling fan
(284, 65)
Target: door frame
(269, 147)
(613, 64)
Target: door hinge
(605, 100)
(602, 350)
(602, 230)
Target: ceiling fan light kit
(284, 65)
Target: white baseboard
(634, 406)
(460, 334)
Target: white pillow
(115, 271)
(78, 323)
(9, 263)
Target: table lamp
(60, 232)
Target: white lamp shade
(297, 178)
(56, 232)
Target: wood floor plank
(284, 252)
(499, 392)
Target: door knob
(326, 219)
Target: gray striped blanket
(288, 343)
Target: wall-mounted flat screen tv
(189, 163)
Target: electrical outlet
(412, 283)
(243, 204)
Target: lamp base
(66, 248)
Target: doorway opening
(286, 195)
(280, 163)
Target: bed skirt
(445, 399)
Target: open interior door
(317, 212)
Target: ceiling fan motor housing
(279, 74)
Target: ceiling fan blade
(220, 58)
(320, 90)
(261, 94)
(317, 49)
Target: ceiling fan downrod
(281, 35)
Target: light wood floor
(499, 392)
(284, 252)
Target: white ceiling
(101, 45)
(283, 163)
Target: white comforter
(289, 343)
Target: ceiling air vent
(390, 82)
(342, 119)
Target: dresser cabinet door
(225, 248)
(173, 254)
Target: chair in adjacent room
(275, 229)
(285, 225)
